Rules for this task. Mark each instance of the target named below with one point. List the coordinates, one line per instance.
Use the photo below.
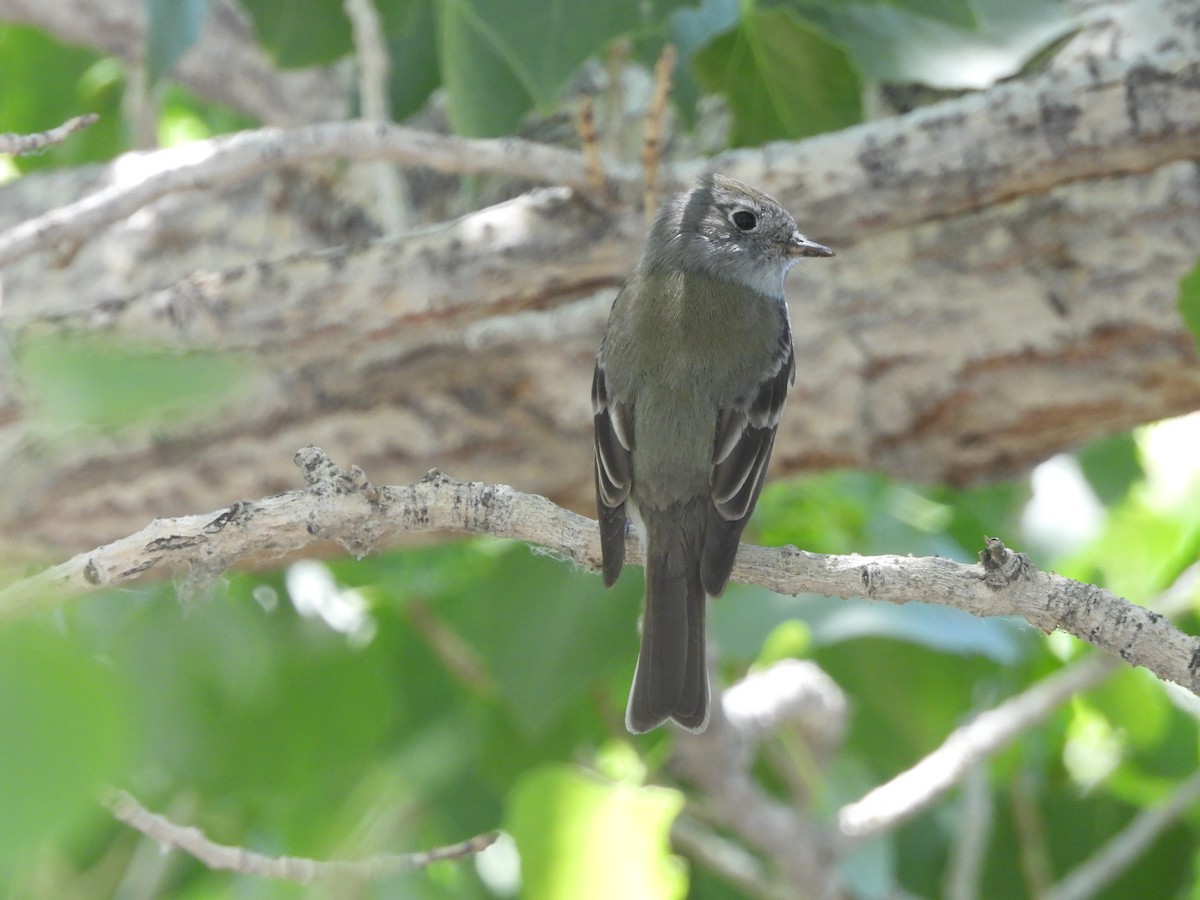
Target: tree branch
(720, 763)
(205, 165)
(918, 788)
(968, 854)
(288, 868)
(343, 506)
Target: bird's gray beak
(802, 246)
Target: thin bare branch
(21, 144)
(589, 146)
(288, 868)
(917, 788)
(1037, 870)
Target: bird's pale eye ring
(745, 220)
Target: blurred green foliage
(786, 68)
(97, 383)
(1189, 302)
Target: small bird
(690, 381)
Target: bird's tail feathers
(671, 679)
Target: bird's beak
(799, 245)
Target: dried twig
(586, 124)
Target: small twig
(586, 124)
(21, 144)
(139, 107)
(289, 868)
(374, 67)
(652, 144)
(1109, 861)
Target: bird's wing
(742, 449)
(613, 420)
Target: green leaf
(897, 43)
(499, 59)
(98, 383)
(65, 734)
(782, 78)
(1189, 302)
(539, 607)
(412, 48)
(582, 838)
(1112, 466)
(1138, 552)
(172, 27)
(301, 32)
(952, 12)
(690, 29)
(742, 622)
(184, 118)
(959, 14)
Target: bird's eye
(745, 220)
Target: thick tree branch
(1056, 297)
(222, 857)
(205, 165)
(344, 507)
(1110, 116)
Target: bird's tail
(671, 680)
